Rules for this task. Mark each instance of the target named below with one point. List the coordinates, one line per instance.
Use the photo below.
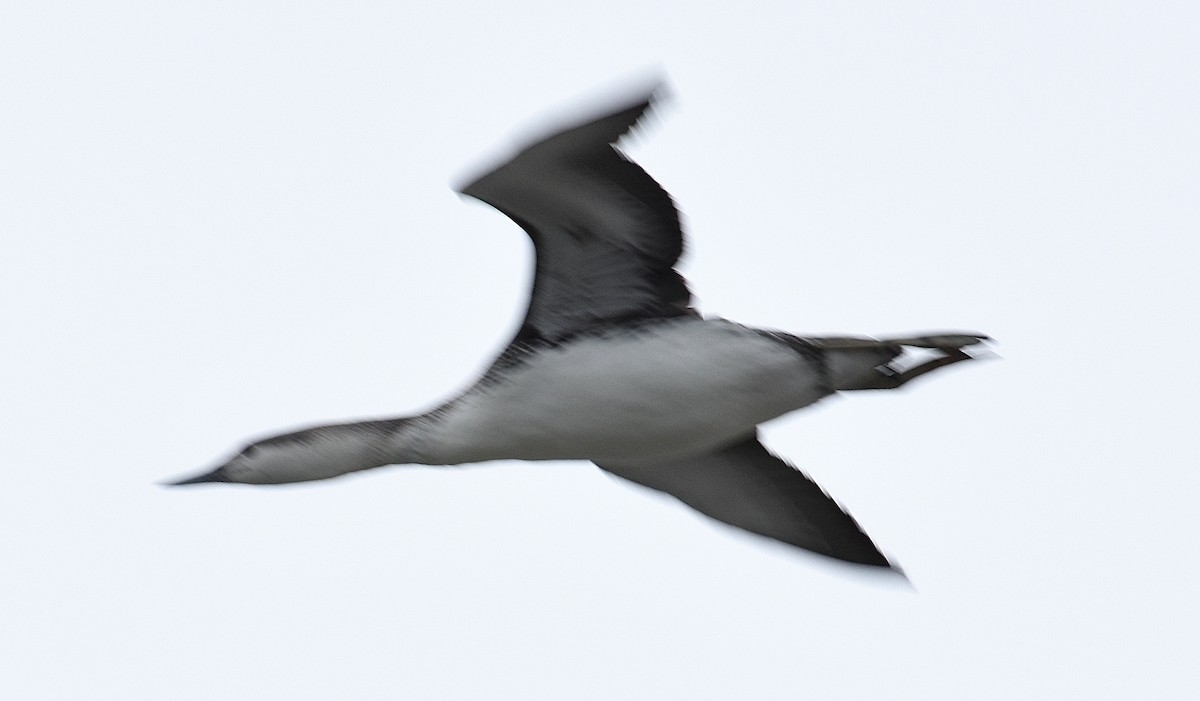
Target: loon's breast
(667, 389)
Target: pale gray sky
(224, 218)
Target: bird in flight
(612, 363)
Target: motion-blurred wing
(606, 235)
(748, 487)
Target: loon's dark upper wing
(746, 486)
(606, 235)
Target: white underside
(683, 388)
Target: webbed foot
(950, 347)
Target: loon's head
(258, 464)
(310, 454)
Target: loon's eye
(249, 451)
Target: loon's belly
(683, 387)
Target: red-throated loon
(613, 365)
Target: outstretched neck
(362, 445)
(328, 451)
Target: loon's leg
(887, 377)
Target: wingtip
(655, 89)
(646, 87)
(606, 116)
(886, 570)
